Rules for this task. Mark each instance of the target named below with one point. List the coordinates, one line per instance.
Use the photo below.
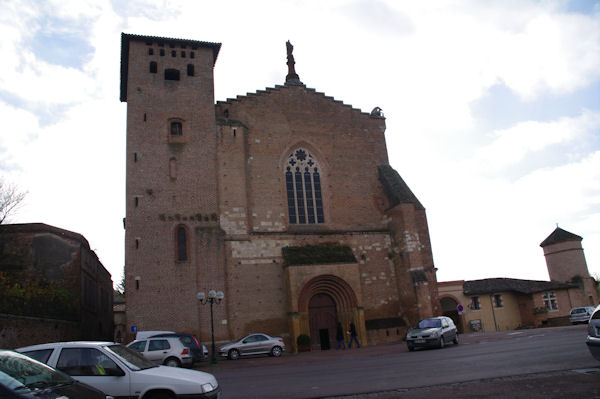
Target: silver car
(593, 337)
(581, 314)
(253, 344)
(121, 372)
(169, 351)
(432, 332)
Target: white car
(581, 315)
(121, 372)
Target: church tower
(173, 243)
(565, 261)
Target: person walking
(339, 336)
(353, 337)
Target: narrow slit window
(190, 69)
(153, 67)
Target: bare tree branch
(10, 199)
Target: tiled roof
(43, 228)
(559, 235)
(126, 38)
(494, 285)
(395, 188)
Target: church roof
(396, 190)
(495, 285)
(126, 38)
(277, 88)
(560, 235)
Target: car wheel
(233, 354)
(276, 351)
(456, 339)
(442, 343)
(411, 348)
(172, 362)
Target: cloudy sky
(493, 108)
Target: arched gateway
(323, 301)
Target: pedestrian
(339, 336)
(353, 337)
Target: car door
(249, 345)
(157, 350)
(446, 331)
(92, 367)
(263, 344)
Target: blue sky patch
(65, 46)
(502, 108)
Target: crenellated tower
(173, 243)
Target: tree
(11, 198)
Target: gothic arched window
(303, 187)
(181, 242)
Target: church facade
(282, 199)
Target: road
(389, 371)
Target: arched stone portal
(450, 309)
(323, 301)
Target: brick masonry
(224, 181)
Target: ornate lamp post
(213, 296)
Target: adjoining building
(496, 304)
(53, 287)
(283, 199)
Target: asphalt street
(537, 363)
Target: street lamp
(213, 296)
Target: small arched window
(181, 241)
(190, 69)
(153, 67)
(303, 187)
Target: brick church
(282, 199)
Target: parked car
(593, 337)
(432, 332)
(581, 314)
(169, 351)
(22, 377)
(121, 372)
(253, 344)
(199, 351)
(151, 333)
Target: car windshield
(430, 323)
(19, 372)
(132, 359)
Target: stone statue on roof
(292, 77)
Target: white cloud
(512, 145)
(424, 63)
